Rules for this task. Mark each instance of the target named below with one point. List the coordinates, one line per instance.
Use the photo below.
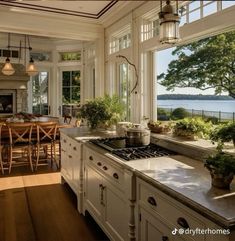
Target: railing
(219, 115)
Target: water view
(206, 105)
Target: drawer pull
(115, 175)
(91, 158)
(70, 156)
(105, 168)
(64, 141)
(99, 163)
(183, 223)
(74, 148)
(165, 238)
(152, 201)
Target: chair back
(46, 132)
(67, 119)
(20, 133)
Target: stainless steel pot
(137, 136)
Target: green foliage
(107, 110)
(223, 133)
(192, 127)
(207, 63)
(95, 112)
(162, 114)
(221, 163)
(179, 113)
(212, 119)
(115, 107)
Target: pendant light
(169, 23)
(31, 69)
(8, 68)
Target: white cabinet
(72, 166)
(159, 214)
(105, 197)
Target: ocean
(206, 105)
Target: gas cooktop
(118, 147)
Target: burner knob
(105, 168)
(99, 163)
(91, 158)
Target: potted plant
(159, 127)
(222, 168)
(95, 112)
(192, 128)
(223, 133)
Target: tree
(207, 63)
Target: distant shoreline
(193, 97)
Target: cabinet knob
(64, 141)
(152, 201)
(115, 175)
(70, 156)
(165, 238)
(91, 158)
(183, 222)
(74, 148)
(99, 163)
(105, 168)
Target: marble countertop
(187, 180)
(183, 178)
(83, 134)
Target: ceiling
(86, 9)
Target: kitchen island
(159, 194)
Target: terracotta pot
(221, 181)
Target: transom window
(70, 56)
(120, 40)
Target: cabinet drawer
(172, 211)
(103, 164)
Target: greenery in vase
(95, 112)
(223, 133)
(105, 111)
(192, 127)
(221, 163)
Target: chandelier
(169, 23)
(8, 68)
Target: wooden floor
(38, 208)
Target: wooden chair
(19, 143)
(45, 138)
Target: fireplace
(7, 102)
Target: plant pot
(221, 181)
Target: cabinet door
(115, 212)
(94, 192)
(66, 168)
(152, 228)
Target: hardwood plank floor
(38, 208)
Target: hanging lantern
(8, 69)
(169, 23)
(31, 69)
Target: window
(120, 40)
(149, 29)
(9, 53)
(194, 10)
(40, 93)
(70, 56)
(70, 92)
(40, 56)
(124, 88)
